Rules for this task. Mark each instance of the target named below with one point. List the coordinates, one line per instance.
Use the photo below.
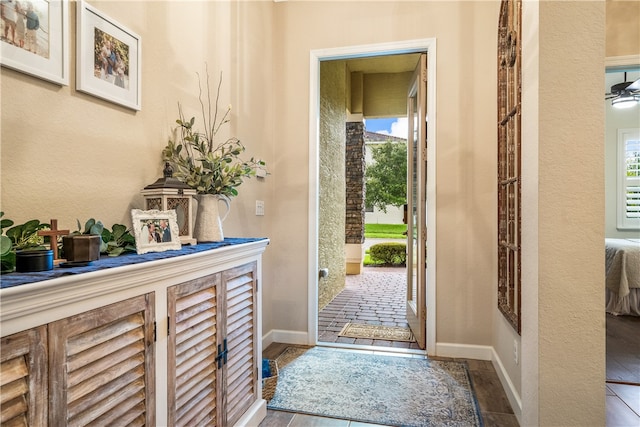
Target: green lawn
(367, 260)
(385, 231)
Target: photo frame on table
(35, 38)
(155, 231)
(109, 58)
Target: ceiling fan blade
(634, 86)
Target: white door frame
(392, 48)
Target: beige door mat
(377, 332)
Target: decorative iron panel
(509, 161)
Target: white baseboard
(464, 351)
(285, 337)
(507, 385)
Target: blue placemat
(15, 279)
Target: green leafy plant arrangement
(115, 242)
(200, 162)
(90, 227)
(17, 238)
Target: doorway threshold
(373, 349)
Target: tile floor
(378, 297)
(623, 405)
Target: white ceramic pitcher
(208, 227)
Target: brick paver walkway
(375, 297)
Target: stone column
(355, 192)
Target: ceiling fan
(625, 94)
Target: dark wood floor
(623, 348)
(623, 371)
(494, 405)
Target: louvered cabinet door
(23, 378)
(102, 366)
(241, 377)
(193, 310)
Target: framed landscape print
(108, 58)
(155, 231)
(35, 38)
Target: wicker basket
(269, 383)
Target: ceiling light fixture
(625, 100)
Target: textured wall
(563, 334)
(331, 232)
(623, 31)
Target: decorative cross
(53, 234)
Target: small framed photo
(155, 231)
(108, 58)
(34, 38)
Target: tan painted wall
(385, 94)
(563, 360)
(466, 37)
(623, 30)
(68, 155)
(263, 48)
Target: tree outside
(386, 177)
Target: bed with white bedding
(622, 276)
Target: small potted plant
(214, 169)
(83, 246)
(22, 248)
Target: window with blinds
(629, 179)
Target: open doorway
(370, 310)
(325, 147)
(622, 246)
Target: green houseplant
(113, 242)
(117, 241)
(83, 246)
(214, 169)
(21, 237)
(208, 166)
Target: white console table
(160, 338)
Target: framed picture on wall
(35, 38)
(108, 58)
(155, 231)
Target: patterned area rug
(390, 390)
(377, 332)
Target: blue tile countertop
(15, 279)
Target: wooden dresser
(167, 340)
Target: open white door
(416, 203)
